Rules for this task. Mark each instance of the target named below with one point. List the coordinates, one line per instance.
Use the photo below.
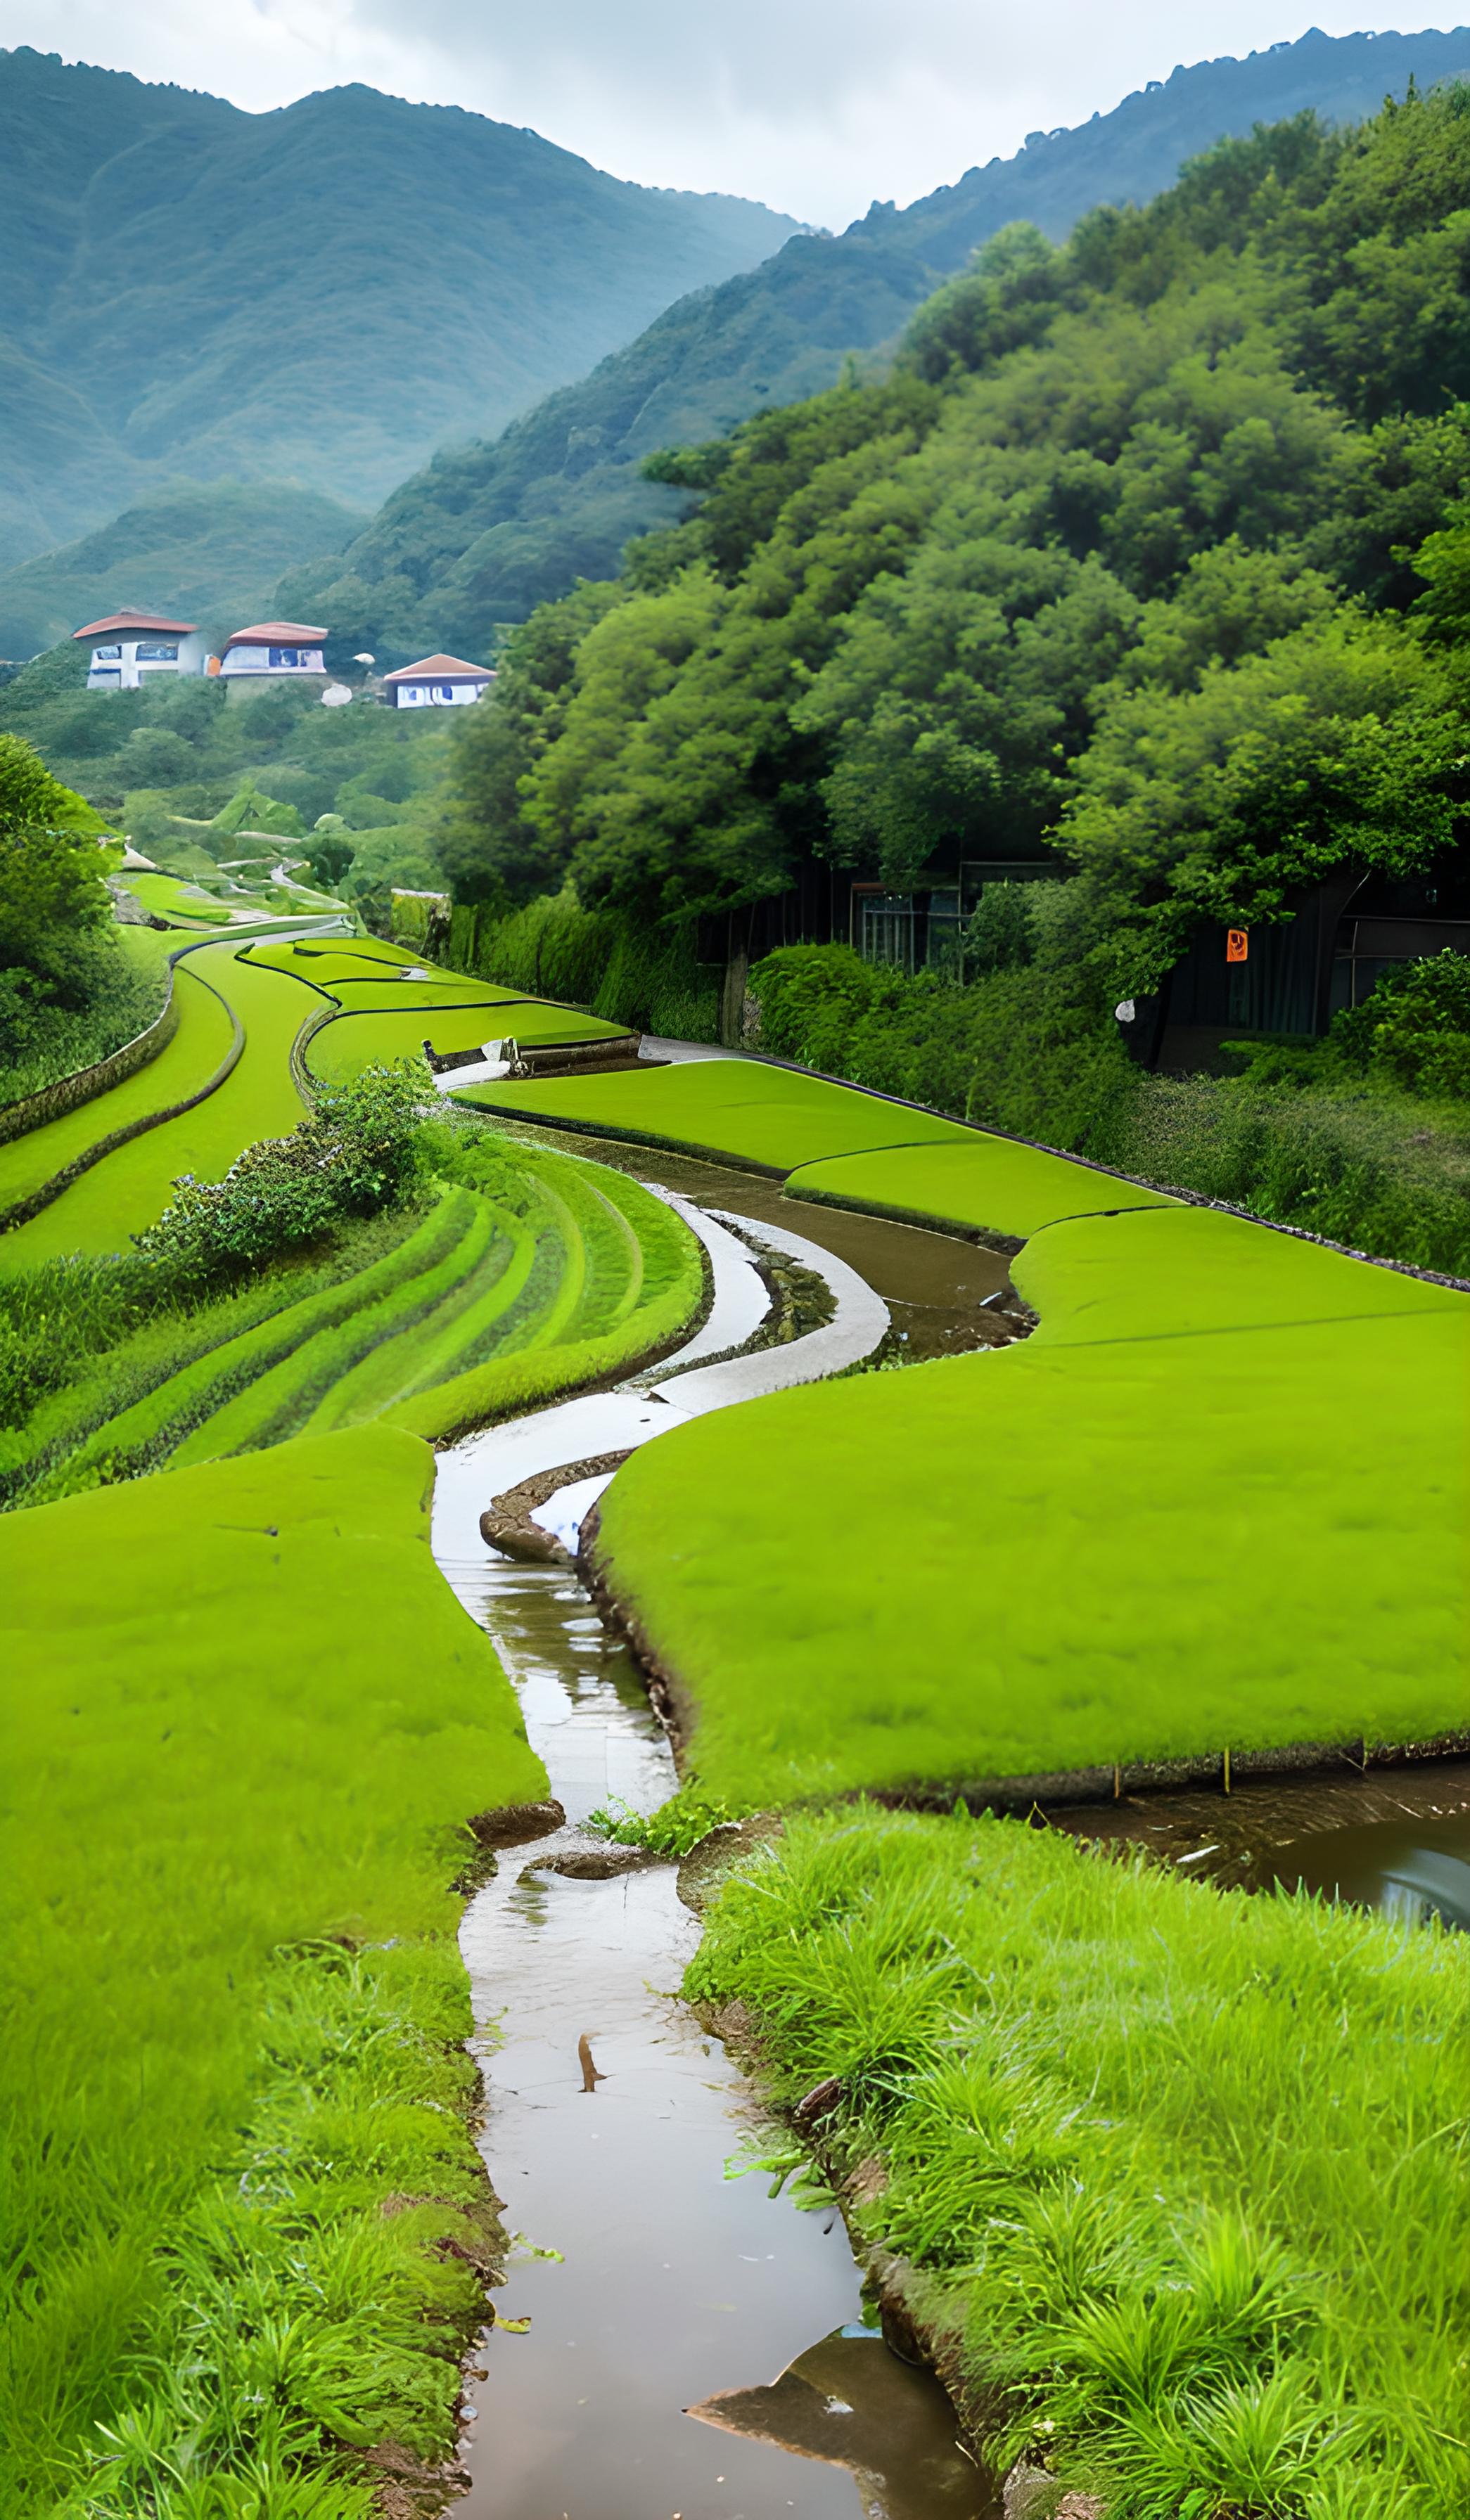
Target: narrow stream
(697, 2349)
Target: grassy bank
(1214, 1503)
(1329, 1139)
(512, 1275)
(246, 1724)
(1181, 2173)
(128, 971)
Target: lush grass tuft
(245, 1722)
(1184, 2170)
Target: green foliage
(226, 1852)
(1335, 744)
(631, 976)
(53, 902)
(1178, 2167)
(672, 1829)
(119, 977)
(359, 1151)
(1414, 1027)
(251, 809)
(1108, 566)
(489, 532)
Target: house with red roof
(129, 648)
(273, 651)
(436, 681)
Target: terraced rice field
(130, 1187)
(545, 1275)
(1215, 1504)
(770, 1118)
(381, 1017)
(183, 1068)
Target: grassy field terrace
(1174, 2177)
(1215, 1504)
(252, 1724)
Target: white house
(129, 648)
(437, 682)
(273, 651)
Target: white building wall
(257, 661)
(119, 666)
(437, 695)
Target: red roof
(134, 621)
(277, 634)
(441, 669)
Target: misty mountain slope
(322, 293)
(208, 551)
(487, 531)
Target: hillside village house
(286, 651)
(436, 681)
(127, 648)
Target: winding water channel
(697, 2349)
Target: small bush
(359, 1153)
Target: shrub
(1414, 1027)
(359, 1154)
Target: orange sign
(1237, 944)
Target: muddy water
(696, 2347)
(1397, 1839)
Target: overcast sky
(816, 106)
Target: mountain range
(318, 295)
(487, 531)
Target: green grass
(183, 1066)
(129, 1189)
(772, 1119)
(183, 905)
(1163, 1272)
(245, 1722)
(980, 1184)
(1181, 2172)
(359, 1038)
(1065, 1555)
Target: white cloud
(815, 104)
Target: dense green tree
(1111, 565)
(1335, 744)
(53, 892)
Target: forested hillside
(321, 295)
(483, 534)
(1151, 552)
(208, 551)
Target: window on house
(99, 654)
(284, 656)
(155, 651)
(446, 691)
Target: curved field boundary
(250, 1096)
(53, 1101)
(24, 1210)
(1211, 1510)
(761, 1118)
(180, 1411)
